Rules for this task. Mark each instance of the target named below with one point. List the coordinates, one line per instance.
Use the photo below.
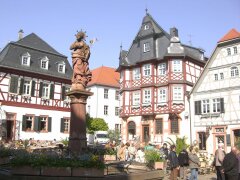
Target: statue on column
(80, 56)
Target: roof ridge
(231, 34)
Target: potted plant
(154, 158)
(110, 154)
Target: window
(235, 50)
(162, 69)
(66, 125)
(221, 76)
(116, 111)
(136, 98)
(105, 93)
(205, 106)
(234, 72)
(117, 95)
(26, 87)
(174, 125)
(146, 27)
(228, 51)
(162, 96)
(147, 96)
(159, 126)
(65, 89)
(136, 73)
(26, 59)
(177, 65)
(118, 127)
(44, 63)
(215, 77)
(105, 110)
(177, 93)
(29, 123)
(61, 68)
(43, 123)
(216, 105)
(147, 70)
(45, 90)
(146, 47)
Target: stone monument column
(78, 94)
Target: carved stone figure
(80, 56)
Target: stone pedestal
(77, 137)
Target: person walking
(164, 150)
(230, 165)
(183, 160)
(218, 159)
(193, 163)
(173, 161)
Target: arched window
(131, 130)
(234, 71)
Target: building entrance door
(10, 124)
(146, 134)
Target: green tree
(114, 135)
(95, 124)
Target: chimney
(174, 32)
(20, 34)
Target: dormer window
(61, 68)
(146, 27)
(146, 47)
(44, 63)
(26, 59)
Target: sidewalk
(211, 176)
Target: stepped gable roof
(105, 76)
(159, 41)
(232, 34)
(11, 57)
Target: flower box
(93, 172)
(110, 158)
(158, 165)
(56, 171)
(26, 170)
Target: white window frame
(162, 69)
(136, 74)
(216, 77)
(221, 76)
(229, 51)
(26, 59)
(146, 47)
(61, 68)
(43, 119)
(147, 96)
(177, 93)
(234, 71)
(146, 27)
(177, 65)
(44, 63)
(105, 93)
(117, 92)
(116, 111)
(146, 70)
(216, 105)
(162, 95)
(66, 122)
(235, 50)
(205, 106)
(105, 111)
(45, 90)
(27, 84)
(136, 98)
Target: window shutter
(52, 91)
(24, 121)
(13, 84)
(36, 123)
(40, 89)
(222, 105)
(62, 125)
(197, 107)
(21, 86)
(63, 92)
(33, 88)
(49, 124)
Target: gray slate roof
(159, 41)
(11, 57)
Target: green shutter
(33, 88)
(13, 84)
(62, 125)
(36, 123)
(49, 124)
(21, 86)
(24, 121)
(197, 107)
(63, 92)
(40, 89)
(52, 91)
(222, 105)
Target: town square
(131, 89)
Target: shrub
(152, 156)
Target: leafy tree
(180, 143)
(95, 124)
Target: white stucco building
(105, 101)
(215, 98)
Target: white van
(101, 137)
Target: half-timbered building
(215, 98)
(33, 80)
(156, 74)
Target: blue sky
(116, 22)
